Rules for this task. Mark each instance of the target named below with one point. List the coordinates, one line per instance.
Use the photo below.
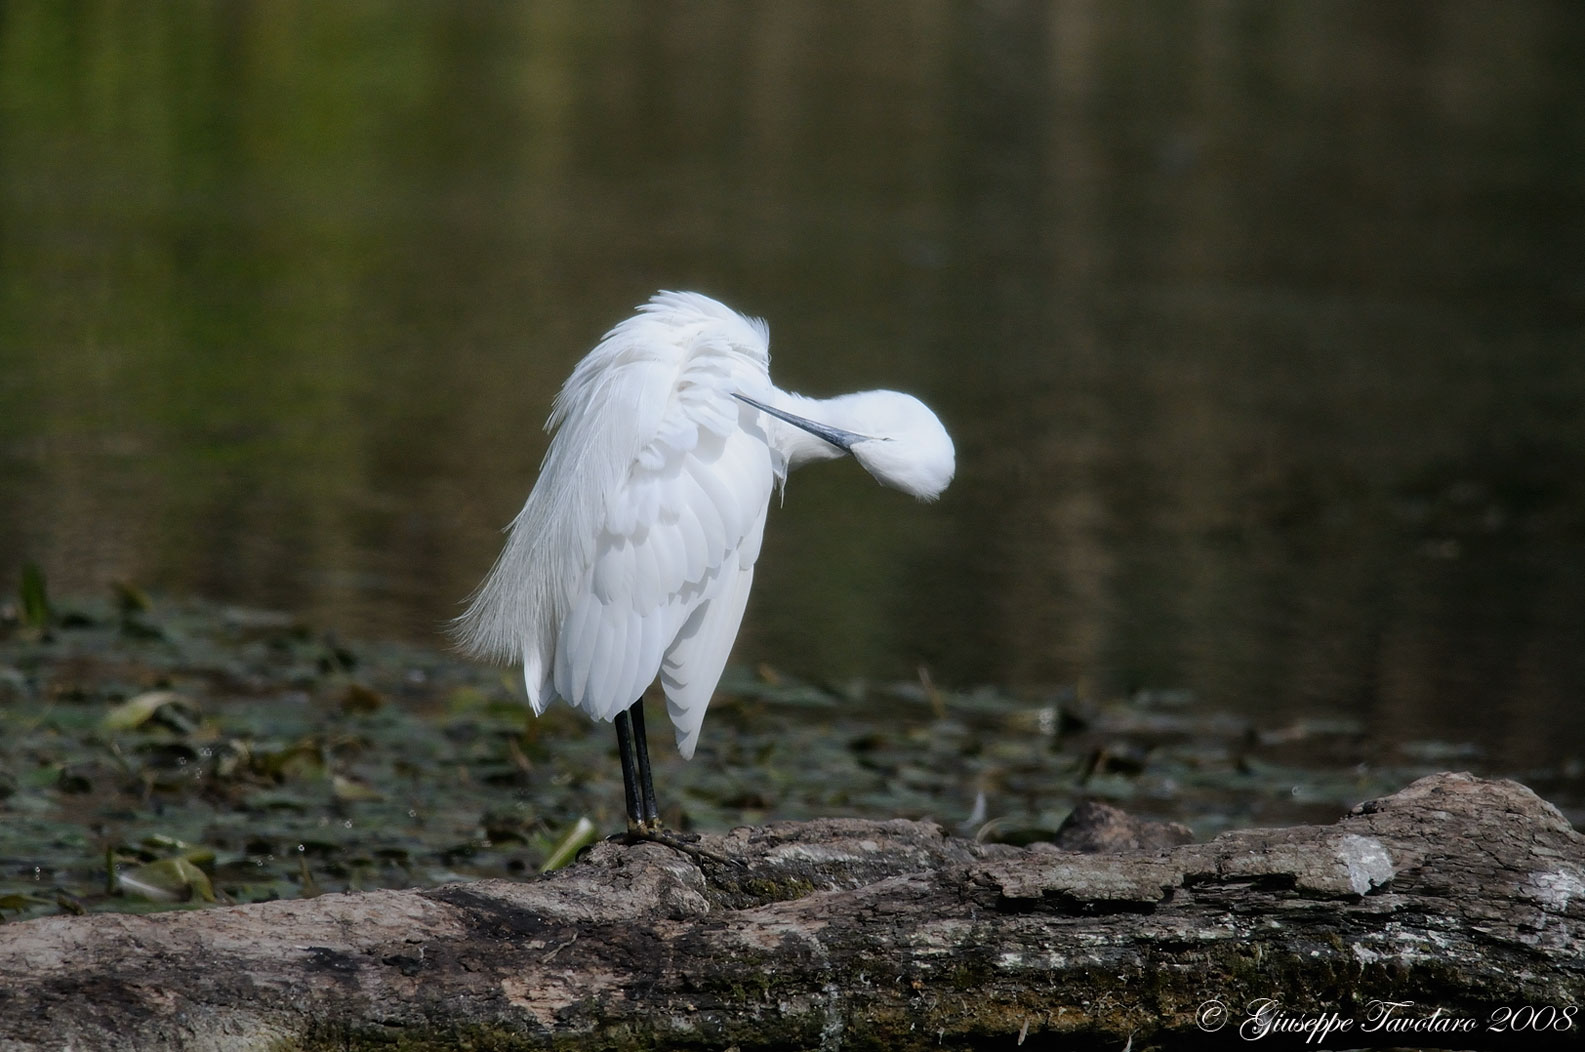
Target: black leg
(630, 778)
(643, 817)
(646, 785)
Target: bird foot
(683, 843)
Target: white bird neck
(795, 444)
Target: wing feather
(626, 685)
(698, 501)
(696, 541)
(605, 659)
(693, 665)
(634, 554)
(579, 638)
(670, 551)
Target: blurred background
(1258, 326)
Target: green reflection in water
(1258, 326)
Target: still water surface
(1259, 327)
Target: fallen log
(1460, 900)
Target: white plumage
(634, 553)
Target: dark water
(1261, 328)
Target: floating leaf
(582, 834)
(278, 801)
(196, 854)
(72, 780)
(349, 791)
(361, 700)
(21, 901)
(168, 880)
(306, 757)
(135, 712)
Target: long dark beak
(843, 440)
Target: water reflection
(1258, 326)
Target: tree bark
(1463, 896)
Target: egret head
(899, 441)
(893, 435)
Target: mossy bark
(1457, 894)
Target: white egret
(634, 554)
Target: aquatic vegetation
(182, 754)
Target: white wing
(698, 655)
(639, 540)
(677, 539)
